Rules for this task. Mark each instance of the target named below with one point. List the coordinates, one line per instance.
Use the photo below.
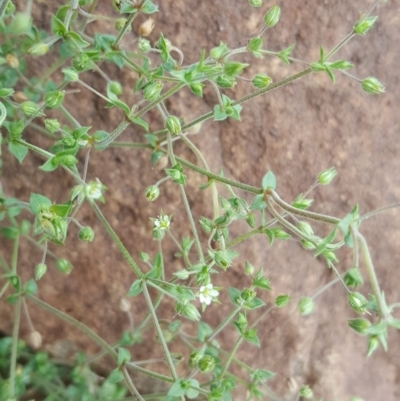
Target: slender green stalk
(377, 211)
(14, 255)
(226, 321)
(373, 280)
(135, 367)
(116, 240)
(125, 28)
(3, 7)
(231, 355)
(304, 213)
(14, 349)
(159, 330)
(80, 326)
(244, 237)
(130, 385)
(236, 184)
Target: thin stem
(27, 315)
(326, 286)
(376, 211)
(93, 90)
(226, 321)
(159, 331)
(14, 349)
(3, 7)
(85, 168)
(383, 309)
(130, 385)
(231, 355)
(14, 255)
(236, 184)
(116, 240)
(203, 161)
(113, 136)
(339, 45)
(304, 213)
(123, 31)
(80, 326)
(245, 236)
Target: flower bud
(195, 357)
(143, 45)
(39, 49)
(359, 325)
(146, 28)
(305, 228)
(20, 97)
(70, 74)
(54, 99)
(187, 310)
(261, 81)
(31, 109)
(326, 176)
(81, 61)
(152, 90)
(206, 364)
(34, 339)
(363, 25)
(372, 85)
(307, 244)
(40, 270)
(86, 234)
(357, 302)
(248, 268)
(120, 23)
(281, 300)
(305, 391)
(52, 125)
(271, 18)
(225, 81)
(206, 224)
(173, 125)
(305, 306)
(248, 294)
(152, 193)
(256, 3)
(12, 61)
(195, 129)
(64, 266)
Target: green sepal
(57, 26)
(18, 150)
(136, 289)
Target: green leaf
(340, 65)
(330, 74)
(9, 232)
(140, 122)
(260, 281)
(218, 52)
(235, 296)
(50, 165)
(57, 26)
(177, 389)
(254, 303)
(233, 68)
(38, 203)
(18, 150)
(268, 181)
(149, 7)
(251, 337)
(76, 40)
(136, 289)
(4, 92)
(258, 203)
(203, 331)
(261, 375)
(121, 105)
(115, 376)
(322, 245)
(123, 356)
(219, 113)
(30, 287)
(62, 210)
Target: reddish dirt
(296, 132)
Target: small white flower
(162, 222)
(94, 189)
(207, 293)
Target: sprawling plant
(210, 373)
